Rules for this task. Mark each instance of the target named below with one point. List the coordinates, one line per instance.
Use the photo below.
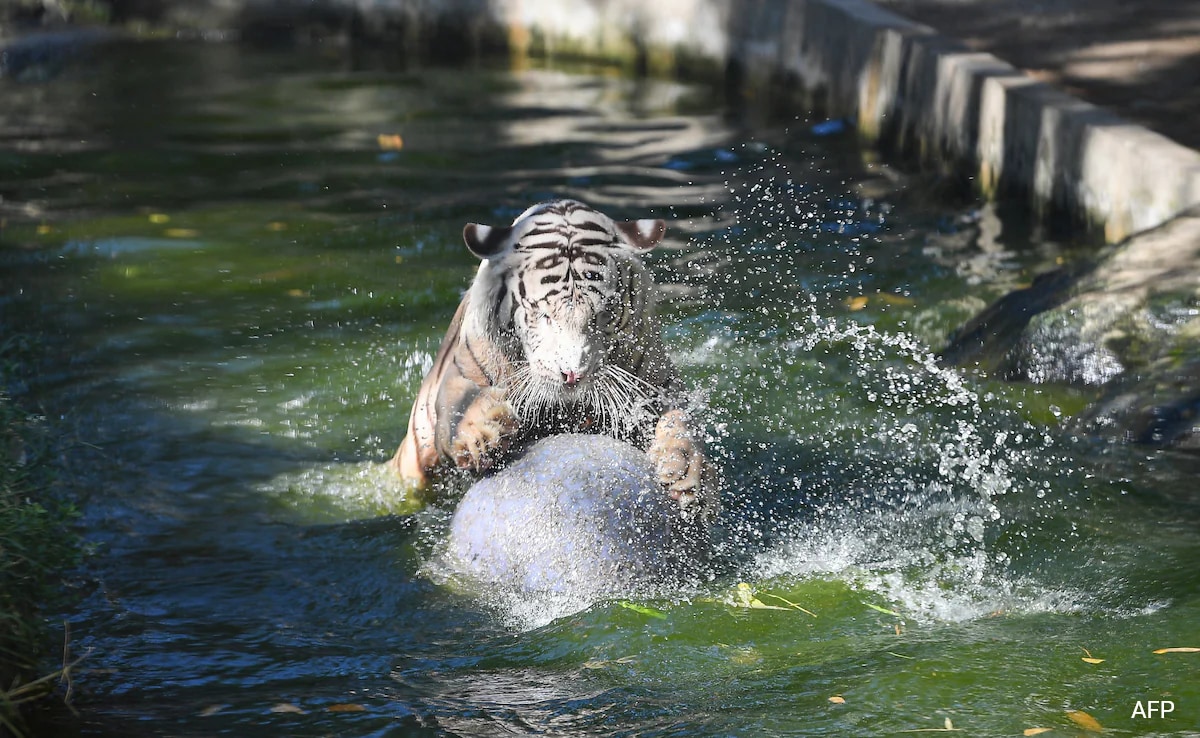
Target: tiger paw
(485, 432)
(680, 465)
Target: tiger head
(564, 294)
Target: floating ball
(575, 513)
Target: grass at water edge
(37, 545)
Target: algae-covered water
(234, 265)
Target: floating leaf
(276, 226)
(883, 610)
(211, 710)
(744, 597)
(1085, 721)
(181, 233)
(837, 699)
(744, 593)
(390, 142)
(789, 603)
(757, 604)
(1036, 731)
(948, 727)
(159, 218)
(287, 707)
(643, 610)
(346, 707)
(1179, 649)
(44, 229)
(1091, 659)
(856, 303)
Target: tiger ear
(643, 234)
(485, 241)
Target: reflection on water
(238, 264)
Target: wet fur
(560, 294)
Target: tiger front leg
(485, 433)
(681, 466)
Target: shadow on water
(238, 265)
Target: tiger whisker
(618, 400)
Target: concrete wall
(912, 92)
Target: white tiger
(557, 334)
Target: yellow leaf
(297, 293)
(276, 226)
(1036, 731)
(1088, 658)
(856, 303)
(44, 229)
(643, 610)
(346, 707)
(287, 707)
(837, 699)
(1085, 721)
(757, 604)
(390, 142)
(790, 604)
(159, 218)
(181, 233)
(1179, 649)
(883, 610)
(744, 595)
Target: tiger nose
(571, 377)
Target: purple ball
(578, 514)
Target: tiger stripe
(557, 333)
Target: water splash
(851, 452)
(854, 453)
(897, 482)
(339, 492)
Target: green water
(235, 264)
